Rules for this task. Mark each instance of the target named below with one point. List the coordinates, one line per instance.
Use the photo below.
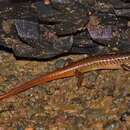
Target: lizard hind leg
(125, 67)
(80, 77)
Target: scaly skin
(84, 65)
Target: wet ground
(102, 102)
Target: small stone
(39, 128)
(11, 77)
(124, 115)
(9, 124)
(112, 125)
(76, 100)
(20, 128)
(94, 113)
(118, 99)
(72, 117)
(60, 63)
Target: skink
(117, 61)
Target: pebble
(32, 102)
(118, 99)
(94, 113)
(71, 117)
(9, 124)
(39, 128)
(20, 128)
(124, 115)
(60, 63)
(112, 125)
(76, 100)
(11, 77)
